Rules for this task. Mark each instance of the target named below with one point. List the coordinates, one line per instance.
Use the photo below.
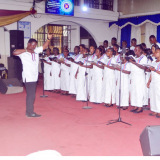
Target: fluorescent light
(84, 8)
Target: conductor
(30, 60)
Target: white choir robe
(65, 76)
(125, 83)
(55, 73)
(47, 75)
(117, 59)
(138, 82)
(155, 89)
(109, 83)
(81, 84)
(73, 70)
(91, 58)
(96, 83)
(147, 76)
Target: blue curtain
(137, 20)
(158, 34)
(126, 34)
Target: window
(100, 4)
(60, 36)
(77, 2)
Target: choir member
(64, 73)
(154, 84)
(47, 71)
(73, 69)
(109, 80)
(138, 80)
(133, 44)
(125, 83)
(153, 49)
(56, 70)
(153, 41)
(96, 91)
(82, 80)
(105, 44)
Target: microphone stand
(86, 78)
(43, 96)
(119, 109)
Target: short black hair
(77, 47)
(82, 45)
(116, 45)
(155, 46)
(92, 46)
(105, 41)
(55, 48)
(130, 53)
(148, 51)
(152, 36)
(143, 45)
(114, 38)
(140, 47)
(133, 39)
(100, 49)
(112, 50)
(32, 40)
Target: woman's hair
(100, 49)
(155, 46)
(112, 50)
(148, 51)
(130, 53)
(116, 45)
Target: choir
(109, 75)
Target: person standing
(65, 73)
(109, 80)
(154, 84)
(124, 85)
(73, 69)
(97, 78)
(30, 60)
(138, 80)
(47, 71)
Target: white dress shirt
(30, 65)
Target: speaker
(16, 40)
(14, 67)
(9, 86)
(150, 142)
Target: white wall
(95, 21)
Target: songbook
(115, 65)
(130, 58)
(53, 59)
(101, 63)
(148, 65)
(70, 59)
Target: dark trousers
(31, 92)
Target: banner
(60, 7)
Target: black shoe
(145, 107)
(109, 105)
(124, 108)
(133, 110)
(138, 111)
(33, 115)
(158, 116)
(119, 107)
(152, 114)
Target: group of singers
(109, 75)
